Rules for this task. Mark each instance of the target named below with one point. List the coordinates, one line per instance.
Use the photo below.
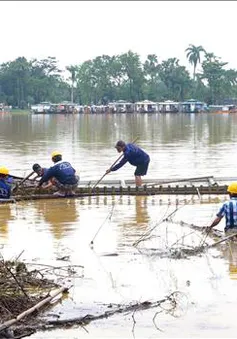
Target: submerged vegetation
(107, 78)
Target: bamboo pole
(22, 181)
(222, 240)
(52, 295)
(180, 180)
(28, 176)
(19, 178)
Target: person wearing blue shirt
(229, 211)
(5, 187)
(41, 171)
(135, 156)
(63, 175)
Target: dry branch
(85, 320)
(43, 302)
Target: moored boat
(193, 106)
(168, 106)
(222, 109)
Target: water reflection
(182, 144)
(5, 216)
(142, 216)
(230, 253)
(135, 219)
(60, 215)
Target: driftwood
(43, 302)
(214, 231)
(204, 248)
(181, 252)
(85, 320)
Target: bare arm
(214, 223)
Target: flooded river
(132, 259)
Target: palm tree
(193, 55)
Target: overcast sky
(75, 31)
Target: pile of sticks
(22, 292)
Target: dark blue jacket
(10, 180)
(5, 189)
(134, 155)
(45, 170)
(62, 171)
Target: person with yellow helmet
(5, 188)
(63, 175)
(228, 210)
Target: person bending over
(135, 156)
(41, 171)
(64, 176)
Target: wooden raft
(31, 194)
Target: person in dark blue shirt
(135, 156)
(5, 187)
(65, 178)
(41, 171)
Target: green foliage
(120, 77)
(25, 82)
(219, 80)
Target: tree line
(110, 78)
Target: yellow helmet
(4, 170)
(55, 153)
(232, 188)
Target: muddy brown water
(114, 271)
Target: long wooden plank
(162, 182)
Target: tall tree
(215, 74)
(176, 79)
(73, 76)
(194, 56)
(133, 74)
(151, 73)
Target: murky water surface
(58, 233)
